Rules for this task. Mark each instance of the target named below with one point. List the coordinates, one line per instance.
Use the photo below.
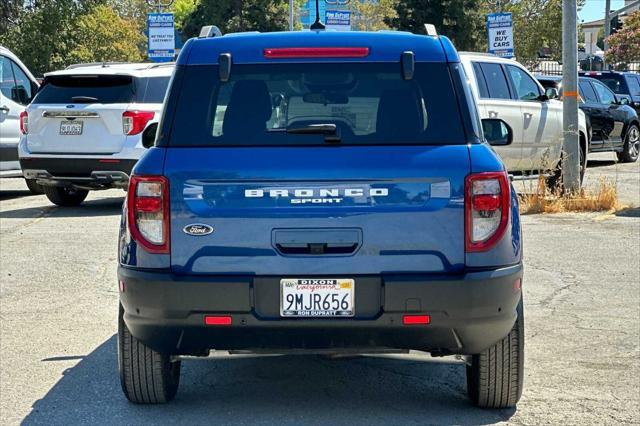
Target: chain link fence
(593, 63)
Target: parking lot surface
(58, 306)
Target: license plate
(312, 297)
(71, 127)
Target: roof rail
(95, 64)
(160, 65)
(210, 31)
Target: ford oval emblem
(197, 229)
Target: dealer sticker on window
(317, 297)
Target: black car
(623, 84)
(614, 124)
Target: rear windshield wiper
(329, 130)
(83, 99)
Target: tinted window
(634, 85)
(106, 89)
(606, 96)
(526, 88)
(368, 103)
(14, 83)
(587, 92)
(482, 83)
(615, 84)
(496, 81)
(151, 90)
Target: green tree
(457, 19)
(238, 15)
(9, 14)
(372, 15)
(624, 45)
(103, 36)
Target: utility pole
(571, 145)
(607, 23)
(291, 15)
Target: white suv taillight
(148, 212)
(487, 206)
(134, 122)
(24, 122)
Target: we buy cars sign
(500, 29)
(161, 34)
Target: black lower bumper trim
(79, 172)
(469, 313)
(8, 152)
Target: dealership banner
(500, 30)
(161, 33)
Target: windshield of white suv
(291, 104)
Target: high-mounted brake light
(134, 122)
(487, 209)
(24, 122)
(416, 319)
(217, 320)
(148, 212)
(316, 52)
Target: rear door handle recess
(331, 241)
(4, 108)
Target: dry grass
(604, 197)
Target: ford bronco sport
(321, 192)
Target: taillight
(148, 212)
(316, 52)
(134, 122)
(24, 122)
(487, 206)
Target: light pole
(160, 4)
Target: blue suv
(321, 192)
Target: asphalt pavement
(58, 306)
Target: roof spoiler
(210, 31)
(430, 29)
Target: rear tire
(495, 377)
(146, 376)
(34, 187)
(631, 147)
(65, 196)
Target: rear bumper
(78, 172)
(469, 313)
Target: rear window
(368, 103)
(634, 85)
(151, 90)
(106, 89)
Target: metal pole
(571, 159)
(290, 15)
(607, 23)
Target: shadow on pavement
(101, 207)
(600, 163)
(629, 212)
(14, 193)
(270, 390)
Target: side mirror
(497, 132)
(552, 93)
(623, 100)
(149, 135)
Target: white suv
(84, 129)
(505, 89)
(17, 87)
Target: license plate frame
(71, 127)
(342, 288)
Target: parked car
(505, 89)
(614, 124)
(623, 84)
(17, 88)
(310, 193)
(83, 130)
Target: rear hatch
(346, 169)
(80, 114)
